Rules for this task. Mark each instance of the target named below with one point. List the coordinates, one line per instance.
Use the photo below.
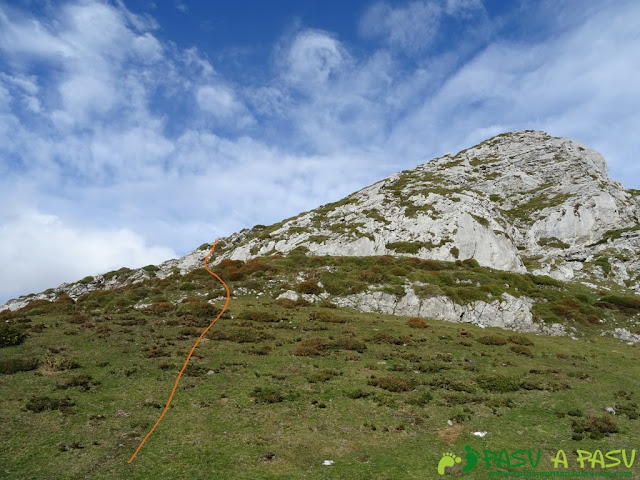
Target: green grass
(525, 211)
(615, 234)
(293, 384)
(405, 247)
(552, 242)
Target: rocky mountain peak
(518, 202)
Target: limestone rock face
(519, 202)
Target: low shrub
(625, 303)
(189, 332)
(498, 383)
(405, 247)
(10, 336)
(309, 286)
(160, 308)
(239, 335)
(9, 366)
(85, 382)
(491, 340)
(323, 375)
(267, 395)
(420, 399)
(286, 303)
(41, 404)
(350, 343)
(521, 350)
(358, 393)
(78, 318)
(594, 426)
(197, 307)
(311, 346)
(520, 340)
(327, 316)
(416, 322)
(58, 364)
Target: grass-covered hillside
(279, 386)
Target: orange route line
(226, 303)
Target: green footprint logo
(471, 456)
(447, 460)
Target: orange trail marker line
(226, 303)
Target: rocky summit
(521, 202)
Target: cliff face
(518, 202)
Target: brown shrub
(159, 308)
(155, 352)
(350, 343)
(230, 269)
(309, 286)
(491, 340)
(78, 318)
(521, 350)
(286, 303)
(416, 322)
(256, 265)
(103, 329)
(311, 346)
(520, 340)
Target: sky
(132, 131)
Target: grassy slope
(339, 405)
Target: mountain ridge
(521, 202)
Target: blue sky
(132, 131)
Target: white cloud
(464, 8)
(222, 102)
(411, 27)
(313, 58)
(41, 251)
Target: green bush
(405, 247)
(267, 395)
(10, 336)
(41, 404)
(393, 383)
(9, 366)
(197, 307)
(498, 383)
(623, 303)
(350, 343)
(594, 426)
(85, 382)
